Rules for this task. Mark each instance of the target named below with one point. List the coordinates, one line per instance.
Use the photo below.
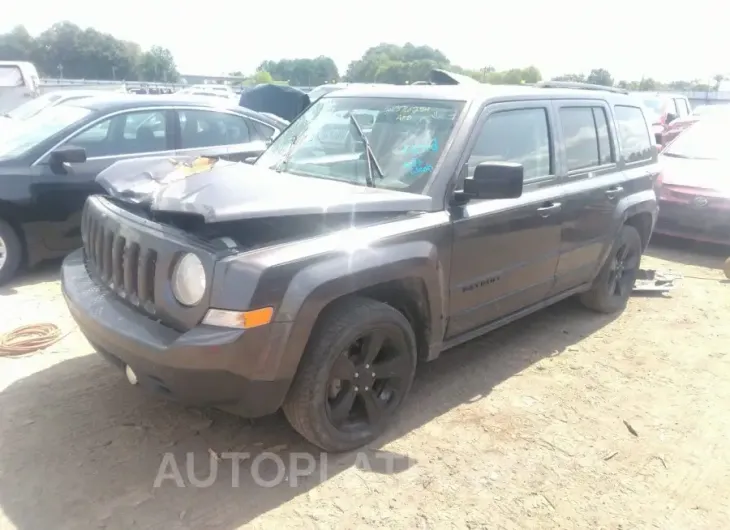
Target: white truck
(19, 83)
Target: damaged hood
(228, 191)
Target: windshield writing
(406, 138)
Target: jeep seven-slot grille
(124, 266)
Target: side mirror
(493, 180)
(66, 155)
(670, 118)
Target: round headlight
(188, 280)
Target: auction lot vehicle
(663, 109)
(49, 162)
(18, 83)
(694, 197)
(32, 107)
(316, 280)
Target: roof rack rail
(580, 86)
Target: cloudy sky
(666, 40)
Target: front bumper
(206, 366)
(687, 221)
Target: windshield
(704, 140)
(26, 134)
(407, 138)
(33, 107)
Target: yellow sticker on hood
(184, 170)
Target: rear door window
(682, 107)
(636, 143)
(11, 76)
(205, 128)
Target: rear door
(129, 134)
(505, 251)
(592, 184)
(219, 133)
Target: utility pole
(114, 72)
(60, 71)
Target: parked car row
(50, 161)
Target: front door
(506, 251)
(61, 196)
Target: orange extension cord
(28, 339)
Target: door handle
(613, 192)
(549, 208)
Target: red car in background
(694, 194)
(662, 109)
(672, 130)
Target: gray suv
(316, 277)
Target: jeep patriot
(314, 278)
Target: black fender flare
(314, 287)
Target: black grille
(122, 265)
(133, 258)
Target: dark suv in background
(316, 278)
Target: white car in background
(211, 90)
(51, 99)
(19, 83)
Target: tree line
(68, 51)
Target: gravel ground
(565, 419)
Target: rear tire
(356, 371)
(11, 252)
(614, 283)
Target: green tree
(66, 50)
(158, 64)
(303, 72)
(262, 77)
(17, 45)
(390, 63)
(573, 78)
(599, 76)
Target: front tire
(614, 283)
(11, 252)
(356, 371)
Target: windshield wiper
(369, 155)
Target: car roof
(658, 94)
(116, 102)
(477, 92)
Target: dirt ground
(528, 427)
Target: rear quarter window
(11, 76)
(633, 132)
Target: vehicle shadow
(687, 252)
(81, 448)
(47, 271)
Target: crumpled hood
(227, 191)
